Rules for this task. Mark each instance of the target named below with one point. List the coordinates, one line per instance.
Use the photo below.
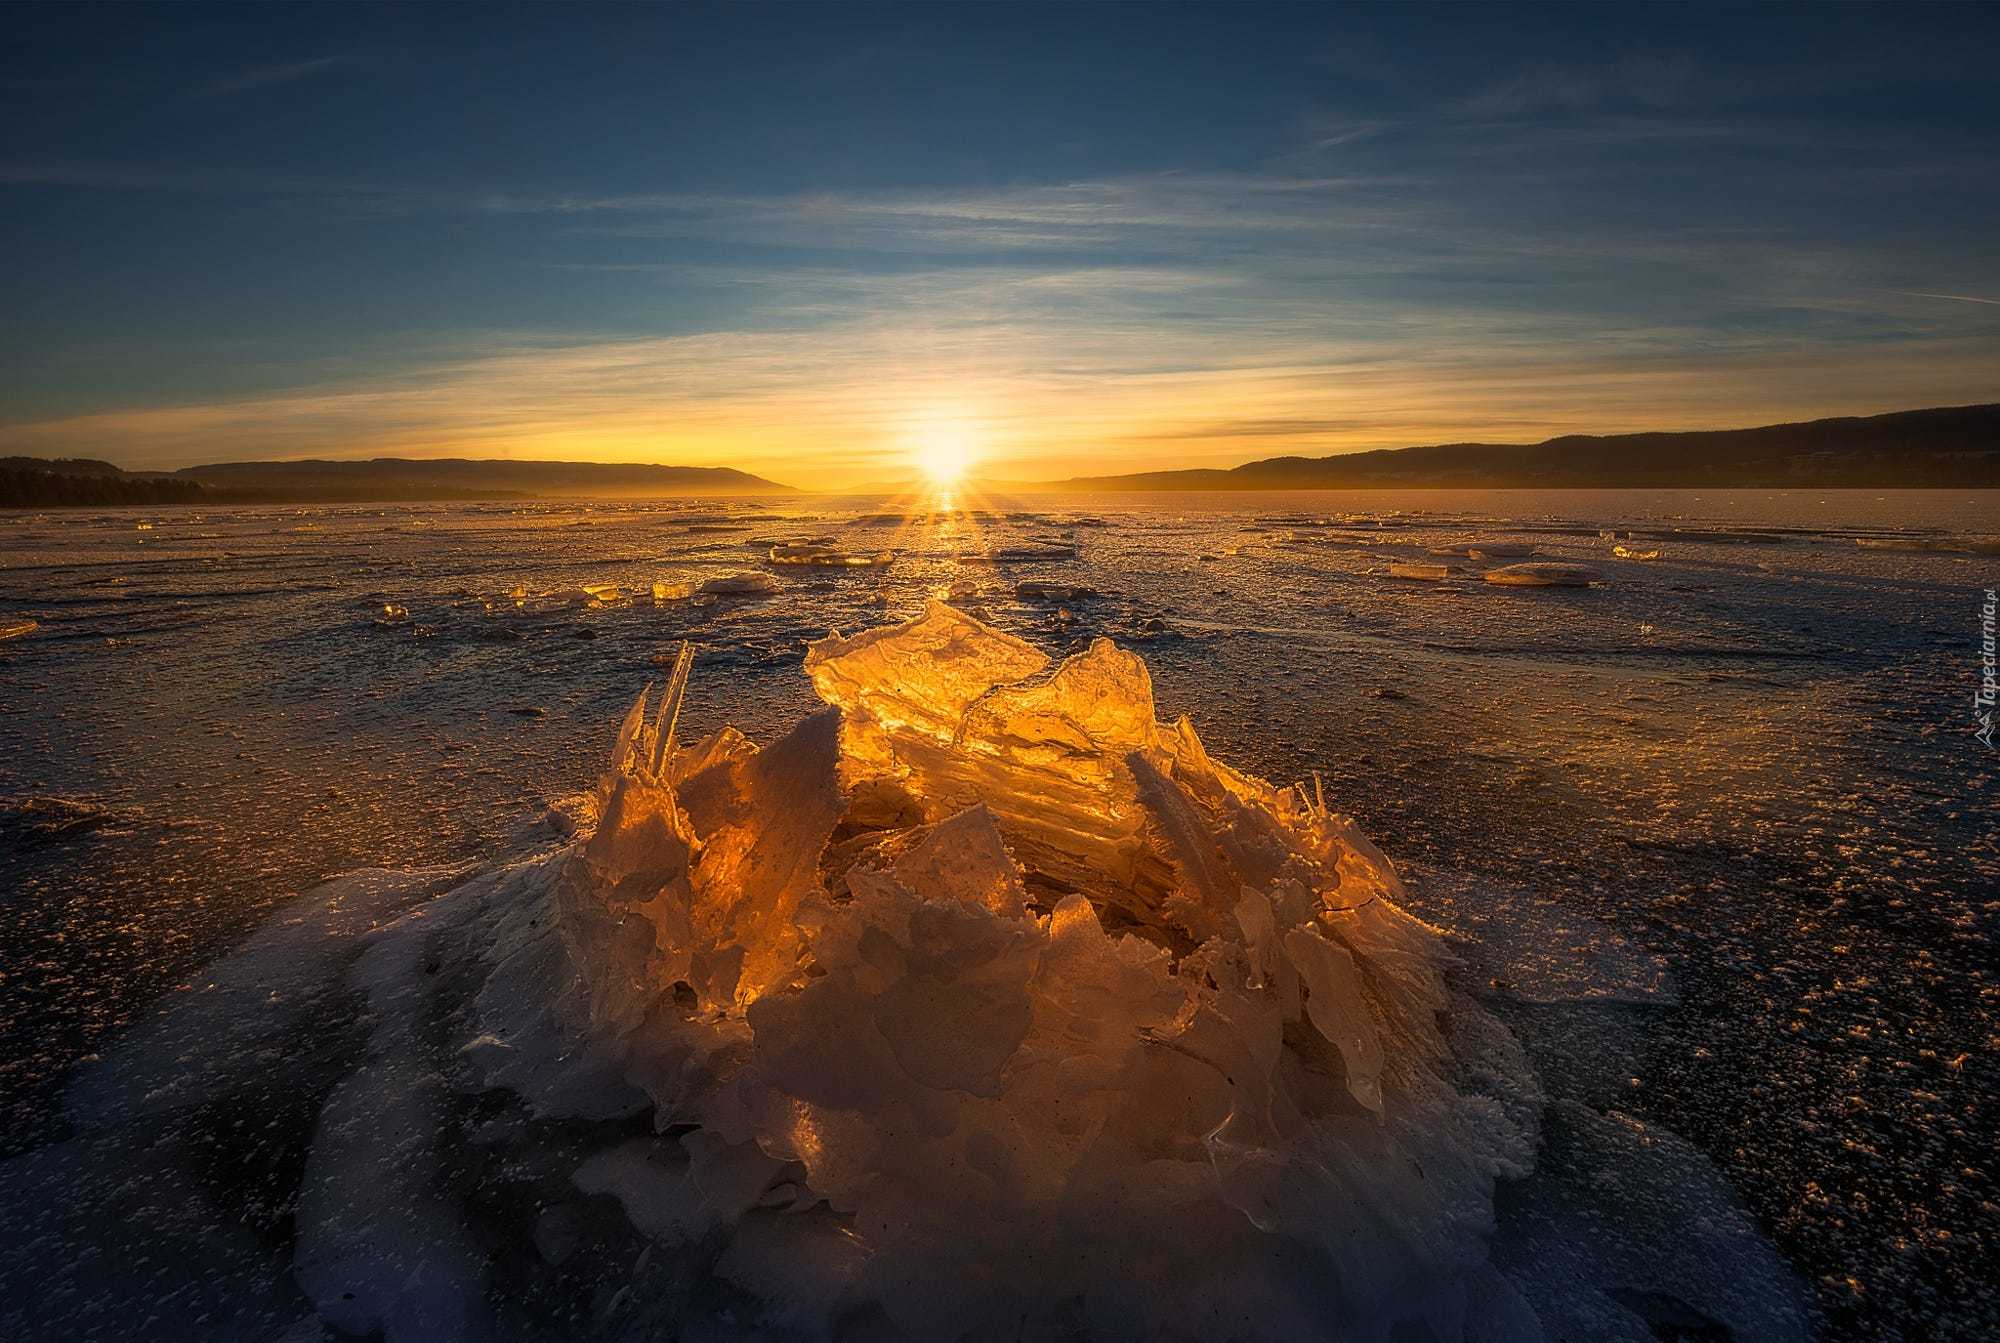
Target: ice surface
(380, 1246)
(1634, 757)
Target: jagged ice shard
(1004, 1007)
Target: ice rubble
(1048, 1018)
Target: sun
(944, 453)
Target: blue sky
(804, 239)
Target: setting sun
(944, 454)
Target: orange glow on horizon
(830, 416)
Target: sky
(813, 241)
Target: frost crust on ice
(1029, 1012)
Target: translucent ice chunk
(1043, 1001)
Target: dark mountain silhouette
(465, 477)
(31, 482)
(1948, 447)
(1953, 446)
(34, 482)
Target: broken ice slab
(745, 583)
(33, 820)
(1429, 573)
(671, 590)
(14, 629)
(1019, 554)
(1629, 553)
(1499, 550)
(1041, 590)
(1970, 545)
(602, 593)
(827, 557)
(1545, 575)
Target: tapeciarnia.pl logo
(1982, 699)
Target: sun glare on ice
(944, 455)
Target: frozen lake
(1742, 773)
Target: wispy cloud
(1956, 298)
(1659, 80)
(267, 76)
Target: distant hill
(31, 482)
(1954, 446)
(467, 477)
